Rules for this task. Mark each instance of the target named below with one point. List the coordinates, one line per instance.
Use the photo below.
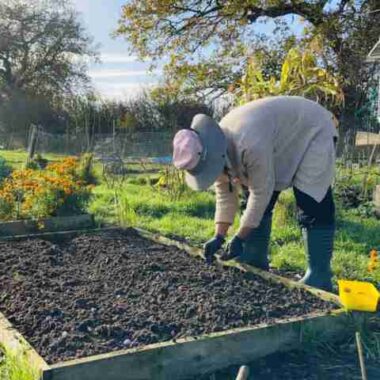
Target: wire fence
(359, 148)
(125, 144)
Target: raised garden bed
(31, 227)
(117, 290)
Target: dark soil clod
(104, 292)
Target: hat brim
(215, 146)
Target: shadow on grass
(203, 210)
(156, 210)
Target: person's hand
(212, 246)
(235, 248)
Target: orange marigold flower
(373, 261)
(373, 254)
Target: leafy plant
(85, 171)
(301, 74)
(172, 181)
(114, 173)
(125, 213)
(348, 194)
(38, 162)
(354, 187)
(366, 209)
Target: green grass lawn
(17, 158)
(16, 367)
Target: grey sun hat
(213, 157)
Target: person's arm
(226, 205)
(260, 171)
(259, 168)
(222, 229)
(244, 232)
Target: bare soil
(114, 290)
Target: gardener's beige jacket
(275, 143)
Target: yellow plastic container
(358, 295)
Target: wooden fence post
(33, 134)
(376, 200)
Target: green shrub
(348, 194)
(125, 213)
(41, 161)
(37, 194)
(354, 187)
(85, 171)
(37, 163)
(172, 182)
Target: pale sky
(120, 74)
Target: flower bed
(57, 190)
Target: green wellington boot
(256, 247)
(319, 243)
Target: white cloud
(105, 58)
(128, 85)
(122, 90)
(109, 73)
(117, 58)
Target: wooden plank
(376, 200)
(367, 138)
(28, 227)
(193, 357)
(33, 135)
(66, 223)
(15, 343)
(54, 236)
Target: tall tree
(200, 35)
(41, 43)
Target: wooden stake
(361, 356)
(33, 133)
(114, 135)
(243, 373)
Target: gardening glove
(235, 248)
(212, 246)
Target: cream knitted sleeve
(226, 201)
(260, 173)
